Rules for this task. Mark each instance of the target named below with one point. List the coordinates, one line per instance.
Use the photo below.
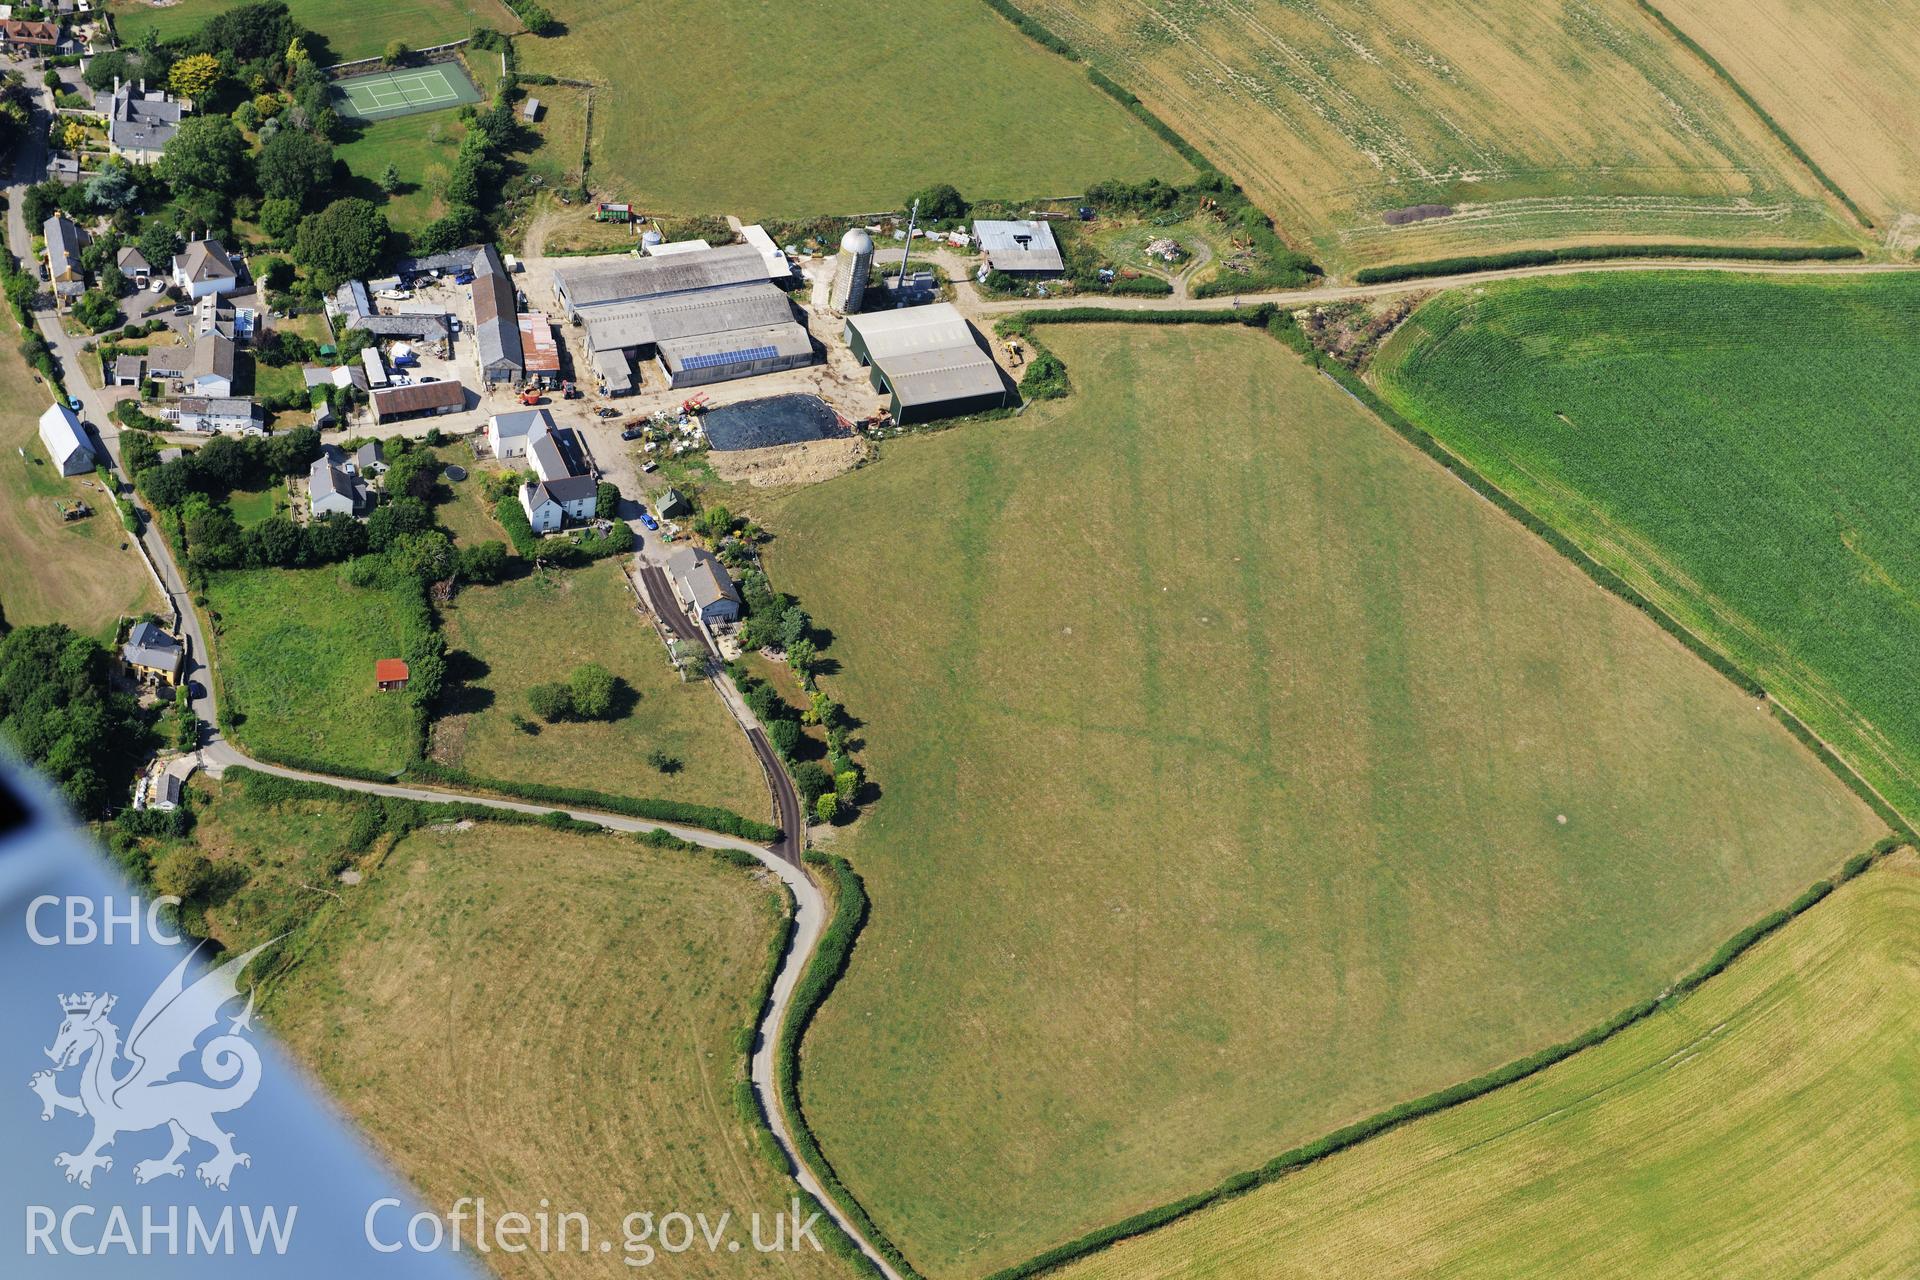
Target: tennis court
(386, 94)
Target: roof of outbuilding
(928, 354)
(418, 396)
(620, 278)
(1019, 245)
(496, 331)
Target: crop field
(1242, 774)
(514, 1013)
(53, 569)
(836, 107)
(353, 28)
(295, 654)
(1738, 448)
(1766, 1125)
(1536, 125)
(511, 638)
(1829, 73)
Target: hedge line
(1441, 1099)
(307, 764)
(402, 814)
(1602, 252)
(707, 817)
(1779, 131)
(829, 962)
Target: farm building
(218, 413)
(496, 333)
(375, 367)
(204, 268)
(332, 488)
(66, 441)
(419, 399)
(614, 371)
(139, 123)
(703, 583)
(389, 675)
(711, 316)
(593, 282)
(549, 504)
(1019, 247)
(929, 360)
(152, 654)
(64, 243)
(539, 349)
(508, 434)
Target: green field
(441, 1000)
(295, 651)
(730, 106)
(1739, 448)
(353, 28)
(538, 628)
(1765, 1126)
(421, 149)
(1241, 774)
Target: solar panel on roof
(712, 358)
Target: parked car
(464, 277)
(651, 467)
(183, 310)
(606, 411)
(394, 295)
(646, 518)
(158, 285)
(631, 433)
(454, 321)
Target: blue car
(646, 518)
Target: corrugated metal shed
(496, 331)
(1018, 245)
(927, 357)
(619, 278)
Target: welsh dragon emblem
(144, 1094)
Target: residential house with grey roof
(203, 268)
(703, 583)
(332, 488)
(64, 242)
(152, 654)
(139, 123)
(549, 504)
(209, 370)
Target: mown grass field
(1764, 1126)
(1738, 447)
(295, 651)
(1838, 79)
(1539, 125)
(353, 28)
(516, 1013)
(537, 629)
(836, 107)
(53, 569)
(1241, 775)
(421, 149)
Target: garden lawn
(1740, 448)
(295, 654)
(1241, 774)
(353, 28)
(1766, 1125)
(421, 148)
(538, 628)
(251, 506)
(515, 1013)
(53, 569)
(725, 106)
(1534, 124)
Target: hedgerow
(1600, 253)
(706, 817)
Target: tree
(827, 807)
(335, 536)
(158, 244)
(395, 520)
(294, 165)
(275, 542)
(97, 311)
(395, 53)
(590, 690)
(663, 762)
(73, 136)
(390, 178)
(551, 702)
(459, 225)
(606, 501)
(291, 452)
(58, 711)
(785, 737)
(940, 203)
(800, 656)
(205, 154)
(344, 241)
(846, 785)
(426, 555)
(280, 219)
(103, 69)
(413, 474)
(113, 187)
(794, 626)
(185, 873)
(194, 76)
(812, 781)
(483, 563)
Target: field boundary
(448, 52)
(1509, 259)
(1279, 325)
(1778, 130)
